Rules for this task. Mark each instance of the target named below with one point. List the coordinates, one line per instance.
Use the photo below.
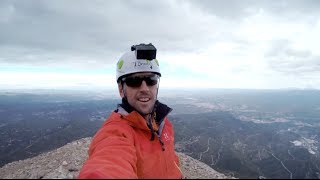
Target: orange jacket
(122, 149)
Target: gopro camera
(145, 51)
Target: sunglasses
(136, 81)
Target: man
(137, 140)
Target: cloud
(282, 57)
(53, 80)
(100, 30)
(236, 10)
(223, 41)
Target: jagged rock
(194, 169)
(66, 161)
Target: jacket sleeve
(111, 154)
(176, 157)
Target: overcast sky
(200, 43)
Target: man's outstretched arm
(111, 154)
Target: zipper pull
(162, 144)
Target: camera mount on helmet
(145, 51)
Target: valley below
(243, 134)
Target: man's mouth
(144, 99)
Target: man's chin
(144, 108)
(144, 111)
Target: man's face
(141, 97)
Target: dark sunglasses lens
(133, 81)
(151, 81)
(137, 81)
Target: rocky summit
(66, 161)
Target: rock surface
(66, 161)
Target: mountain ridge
(66, 161)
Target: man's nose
(144, 86)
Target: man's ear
(121, 90)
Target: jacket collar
(136, 119)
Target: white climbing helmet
(129, 63)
